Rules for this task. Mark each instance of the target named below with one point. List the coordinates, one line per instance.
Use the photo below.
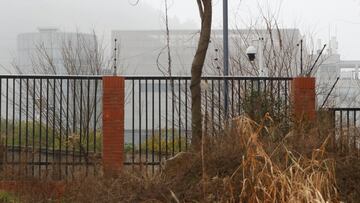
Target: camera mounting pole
(251, 52)
(226, 54)
(263, 71)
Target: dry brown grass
(243, 165)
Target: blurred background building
(145, 52)
(49, 48)
(346, 92)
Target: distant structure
(347, 91)
(52, 42)
(144, 52)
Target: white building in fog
(347, 90)
(144, 52)
(48, 45)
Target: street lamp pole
(226, 54)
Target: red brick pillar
(113, 124)
(303, 98)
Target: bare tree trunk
(205, 11)
(168, 38)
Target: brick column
(303, 98)
(113, 124)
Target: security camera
(251, 53)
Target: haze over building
(145, 52)
(346, 92)
(44, 52)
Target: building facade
(346, 92)
(50, 51)
(146, 53)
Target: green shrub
(159, 144)
(8, 197)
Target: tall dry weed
(241, 165)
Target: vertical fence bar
(212, 107)
(33, 128)
(1, 121)
(186, 114)
(87, 127)
(19, 120)
(74, 127)
(341, 131)
(139, 133)
(173, 116)
(60, 127)
(153, 126)
(67, 128)
(40, 126)
(7, 120)
(272, 90)
(219, 106)
(179, 150)
(251, 91)
(286, 102)
(265, 86)
(354, 131)
(334, 128)
(279, 97)
(1, 118)
(47, 126)
(95, 116)
(13, 128)
(206, 119)
(160, 150)
(232, 98)
(348, 129)
(166, 119)
(265, 95)
(26, 123)
(81, 122)
(54, 127)
(146, 124)
(133, 124)
(245, 93)
(239, 97)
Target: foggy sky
(321, 18)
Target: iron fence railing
(346, 123)
(158, 110)
(50, 125)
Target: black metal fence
(158, 111)
(346, 123)
(50, 125)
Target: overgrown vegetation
(240, 165)
(26, 133)
(164, 142)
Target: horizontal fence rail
(158, 111)
(50, 125)
(346, 123)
